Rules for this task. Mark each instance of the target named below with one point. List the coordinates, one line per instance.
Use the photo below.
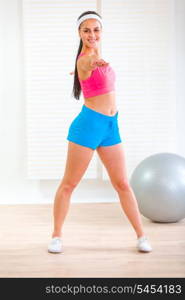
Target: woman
(95, 127)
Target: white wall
(14, 187)
(180, 73)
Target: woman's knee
(67, 187)
(121, 185)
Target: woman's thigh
(78, 159)
(113, 158)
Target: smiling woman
(89, 26)
(93, 75)
(94, 128)
(96, 36)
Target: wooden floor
(98, 242)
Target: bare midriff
(104, 104)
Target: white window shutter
(139, 42)
(51, 42)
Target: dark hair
(76, 85)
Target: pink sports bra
(101, 81)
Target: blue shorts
(93, 129)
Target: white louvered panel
(51, 42)
(139, 43)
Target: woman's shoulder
(82, 57)
(81, 62)
(82, 54)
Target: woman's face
(90, 32)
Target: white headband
(89, 16)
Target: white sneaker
(143, 244)
(55, 245)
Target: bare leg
(114, 160)
(78, 159)
(60, 209)
(130, 207)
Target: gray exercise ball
(158, 183)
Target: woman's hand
(99, 63)
(93, 63)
